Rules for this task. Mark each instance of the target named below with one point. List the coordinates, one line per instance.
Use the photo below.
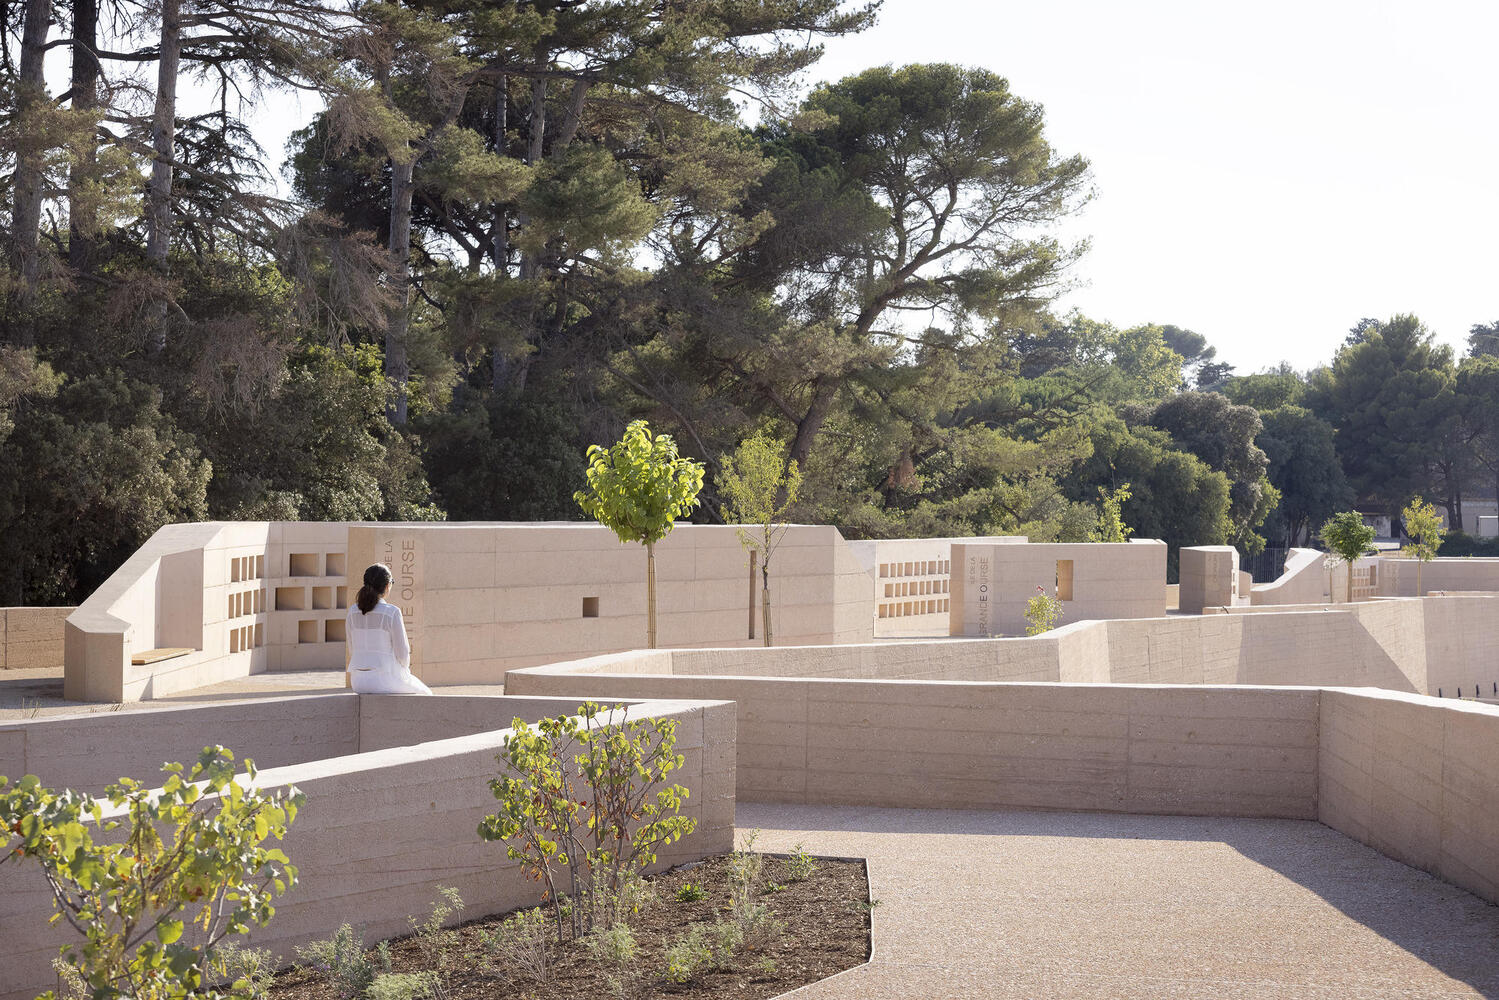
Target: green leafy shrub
(1042, 611)
(585, 797)
(691, 893)
(432, 940)
(1347, 538)
(403, 986)
(186, 867)
(689, 955)
(249, 972)
(1424, 528)
(614, 944)
(1458, 543)
(518, 947)
(800, 866)
(342, 962)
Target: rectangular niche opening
(1064, 579)
(334, 630)
(307, 630)
(260, 567)
(340, 597)
(590, 607)
(259, 601)
(234, 570)
(233, 606)
(259, 636)
(291, 598)
(234, 640)
(338, 564)
(322, 598)
(304, 564)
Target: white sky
(1264, 175)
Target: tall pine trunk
(163, 142)
(397, 368)
(82, 214)
(499, 247)
(31, 96)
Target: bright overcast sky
(1264, 175)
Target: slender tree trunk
(810, 425)
(501, 364)
(31, 96)
(765, 596)
(82, 214)
(650, 595)
(164, 142)
(1419, 563)
(397, 368)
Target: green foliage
(1304, 469)
(403, 986)
(800, 866)
(612, 945)
(585, 797)
(639, 486)
(759, 486)
(691, 892)
(1346, 536)
(518, 947)
(342, 962)
(433, 941)
(691, 954)
(1457, 543)
(250, 972)
(1111, 526)
(1424, 529)
(1042, 612)
(185, 867)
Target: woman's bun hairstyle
(376, 579)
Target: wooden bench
(146, 656)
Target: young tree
(1111, 526)
(759, 487)
(637, 488)
(1347, 537)
(174, 872)
(1424, 529)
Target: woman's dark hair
(376, 580)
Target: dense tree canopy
(517, 226)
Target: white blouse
(377, 635)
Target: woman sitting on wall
(380, 661)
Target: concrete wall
(912, 579)
(381, 830)
(478, 598)
(1416, 779)
(1397, 577)
(1302, 581)
(31, 638)
(992, 583)
(1209, 577)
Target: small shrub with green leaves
(584, 802)
(1347, 538)
(342, 962)
(185, 867)
(518, 947)
(689, 955)
(248, 972)
(1423, 526)
(403, 986)
(431, 937)
(1042, 612)
(691, 892)
(613, 945)
(800, 866)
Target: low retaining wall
(31, 638)
(1397, 577)
(1412, 776)
(383, 829)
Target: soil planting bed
(826, 930)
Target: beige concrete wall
(1397, 577)
(1302, 581)
(1209, 577)
(1416, 779)
(483, 599)
(992, 583)
(1437, 643)
(912, 581)
(32, 638)
(381, 830)
(478, 598)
